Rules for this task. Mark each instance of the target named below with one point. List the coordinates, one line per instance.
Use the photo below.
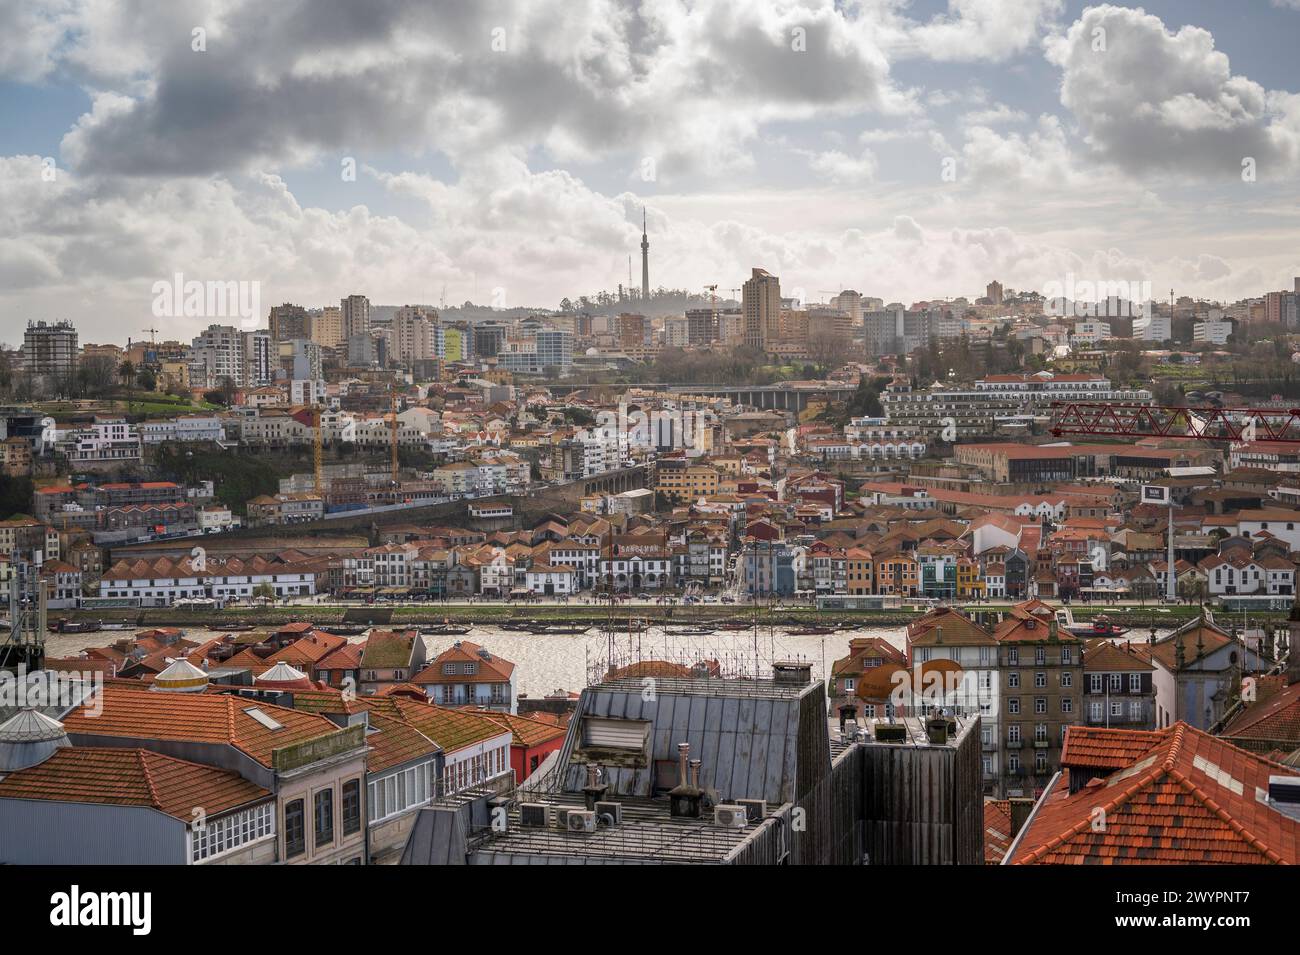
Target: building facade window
(324, 817)
(295, 829)
(351, 807)
(228, 833)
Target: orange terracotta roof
(1201, 631)
(450, 728)
(1105, 656)
(526, 731)
(1190, 798)
(1275, 718)
(997, 830)
(196, 717)
(394, 742)
(1095, 747)
(132, 777)
(489, 669)
(957, 629)
(346, 657)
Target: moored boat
(1099, 627)
(446, 630)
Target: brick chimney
(1020, 810)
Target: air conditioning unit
(532, 815)
(581, 820)
(607, 807)
(755, 809)
(730, 816)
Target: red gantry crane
(1102, 419)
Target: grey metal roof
(744, 732)
(27, 738)
(647, 836)
(703, 686)
(51, 693)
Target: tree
(826, 346)
(15, 495)
(126, 372)
(96, 374)
(227, 391)
(865, 401)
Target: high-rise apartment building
(489, 338)
(354, 314)
(287, 322)
(849, 302)
(993, 292)
(417, 334)
(458, 342)
(258, 363)
(547, 350)
(223, 351)
(703, 325)
(50, 350)
(327, 326)
(761, 303)
(217, 353)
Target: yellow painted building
(860, 567)
(970, 584)
(898, 575)
(687, 483)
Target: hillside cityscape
(319, 546)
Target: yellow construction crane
(310, 417)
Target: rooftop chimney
(594, 791)
(1020, 812)
(685, 796)
(792, 672)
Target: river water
(545, 663)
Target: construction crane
(713, 306)
(1102, 419)
(153, 333)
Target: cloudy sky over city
(909, 150)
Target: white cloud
(841, 168)
(998, 113)
(1147, 99)
(974, 30)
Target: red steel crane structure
(1101, 419)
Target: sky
(502, 151)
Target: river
(545, 663)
